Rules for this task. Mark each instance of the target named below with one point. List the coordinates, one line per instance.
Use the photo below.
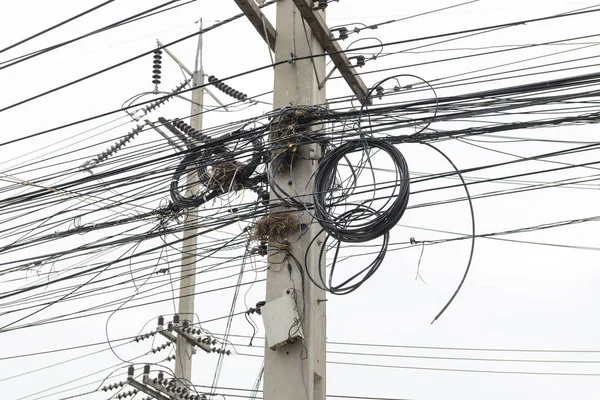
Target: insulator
(183, 127)
(156, 67)
(127, 394)
(170, 327)
(236, 94)
(119, 144)
(322, 4)
(146, 369)
(154, 105)
(343, 33)
(130, 371)
(176, 319)
(380, 91)
(113, 386)
(161, 320)
(161, 375)
(185, 323)
(361, 61)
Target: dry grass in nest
(275, 226)
(225, 176)
(285, 129)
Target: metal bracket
(173, 130)
(173, 389)
(149, 391)
(166, 334)
(157, 129)
(191, 339)
(322, 84)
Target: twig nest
(273, 226)
(226, 176)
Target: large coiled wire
(354, 281)
(380, 221)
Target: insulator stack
(191, 331)
(156, 67)
(154, 105)
(170, 358)
(113, 386)
(144, 336)
(126, 394)
(149, 108)
(221, 351)
(208, 340)
(119, 144)
(183, 127)
(160, 348)
(160, 381)
(227, 89)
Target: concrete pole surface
(297, 371)
(187, 287)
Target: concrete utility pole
(187, 287)
(297, 371)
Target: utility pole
(187, 287)
(297, 371)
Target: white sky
(518, 296)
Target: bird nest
(275, 226)
(226, 176)
(288, 130)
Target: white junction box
(282, 322)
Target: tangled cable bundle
(364, 226)
(227, 173)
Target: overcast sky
(520, 296)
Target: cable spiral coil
(370, 228)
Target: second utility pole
(297, 371)
(187, 286)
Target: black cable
(56, 26)
(472, 235)
(383, 221)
